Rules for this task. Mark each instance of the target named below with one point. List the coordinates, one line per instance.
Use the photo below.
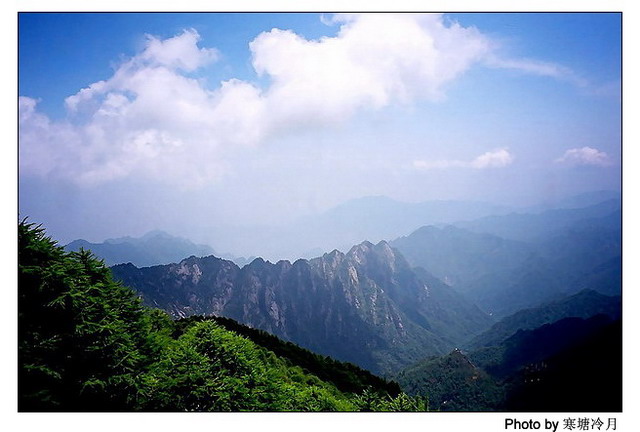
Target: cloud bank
(155, 119)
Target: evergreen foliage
(86, 343)
(347, 377)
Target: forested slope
(86, 343)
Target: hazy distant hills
(537, 226)
(369, 218)
(366, 306)
(378, 218)
(155, 247)
(582, 200)
(458, 256)
(566, 251)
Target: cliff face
(366, 306)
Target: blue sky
(193, 120)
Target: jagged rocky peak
(381, 255)
(359, 252)
(333, 258)
(385, 250)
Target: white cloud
(375, 60)
(178, 52)
(584, 156)
(152, 118)
(492, 159)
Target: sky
(183, 122)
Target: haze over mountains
(381, 218)
(450, 311)
(558, 252)
(387, 305)
(368, 218)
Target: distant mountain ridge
(566, 251)
(526, 226)
(155, 247)
(366, 306)
(373, 218)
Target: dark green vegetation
(453, 384)
(155, 247)
(367, 307)
(86, 343)
(346, 377)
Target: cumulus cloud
(492, 159)
(154, 118)
(375, 60)
(180, 52)
(148, 119)
(584, 156)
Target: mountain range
(467, 312)
(366, 306)
(87, 344)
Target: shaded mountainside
(557, 367)
(572, 364)
(566, 380)
(585, 304)
(534, 346)
(155, 247)
(367, 306)
(453, 383)
(86, 343)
